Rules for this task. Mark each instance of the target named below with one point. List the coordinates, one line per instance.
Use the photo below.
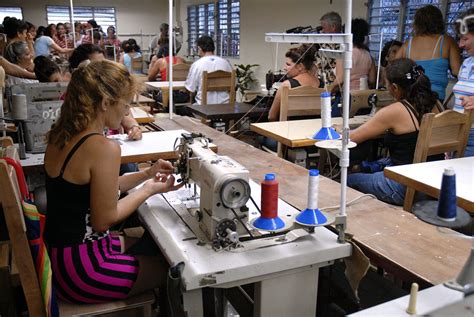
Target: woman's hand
(467, 102)
(160, 167)
(135, 133)
(161, 183)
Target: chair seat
(143, 300)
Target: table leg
(288, 295)
(192, 302)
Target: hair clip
(463, 24)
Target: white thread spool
(19, 110)
(313, 189)
(363, 83)
(326, 109)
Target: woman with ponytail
(400, 123)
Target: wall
(258, 17)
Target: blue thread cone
(311, 217)
(268, 224)
(326, 134)
(447, 197)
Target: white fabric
(194, 81)
(43, 45)
(12, 80)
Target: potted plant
(244, 74)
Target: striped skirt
(93, 272)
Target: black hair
(360, 29)
(13, 26)
(206, 43)
(130, 45)
(81, 53)
(165, 51)
(29, 25)
(428, 20)
(468, 23)
(93, 23)
(48, 31)
(44, 68)
(386, 49)
(303, 54)
(414, 84)
(40, 31)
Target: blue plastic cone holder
(311, 217)
(268, 224)
(326, 134)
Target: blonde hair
(89, 86)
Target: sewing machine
(224, 189)
(43, 108)
(369, 98)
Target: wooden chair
(180, 71)
(297, 102)
(11, 204)
(218, 81)
(439, 133)
(137, 64)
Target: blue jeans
(377, 184)
(470, 145)
(269, 143)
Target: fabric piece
(194, 81)
(357, 266)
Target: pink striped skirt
(93, 272)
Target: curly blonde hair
(89, 86)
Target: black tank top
(68, 208)
(294, 83)
(402, 146)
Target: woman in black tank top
(399, 122)
(83, 185)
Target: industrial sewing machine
(224, 189)
(369, 98)
(43, 106)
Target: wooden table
(153, 146)
(426, 178)
(392, 238)
(228, 112)
(141, 115)
(298, 133)
(164, 87)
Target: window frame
(92, 9)
(230, 47)
(16, 7)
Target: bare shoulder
(391, 111)
(101, 148)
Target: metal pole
(379, 60)
(344, 160)
(170, 61)
(71, 8)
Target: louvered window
(104, 16)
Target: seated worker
(210, 63)
(388, 54)
(131, 51)
(298, 67)
(400, 123)
(85, 53)
(47, 71)
(160, 65)
(15, 70)
(90, 265)
(18, 53)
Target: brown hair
(428, 20)
(88, 87)
(303, 54)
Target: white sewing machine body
(224, 190)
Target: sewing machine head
(370, 98)
(43, 106)
(224, 189)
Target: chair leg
(409, 198)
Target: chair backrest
(137, 64)
(180, 71)
(13, 212)
(447, 131)
(300, 101)
(218, 81)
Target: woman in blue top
(132, 52)
(432, 49)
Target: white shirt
(194, 81)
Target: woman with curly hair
(431, 48)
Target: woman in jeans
(400, 123)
